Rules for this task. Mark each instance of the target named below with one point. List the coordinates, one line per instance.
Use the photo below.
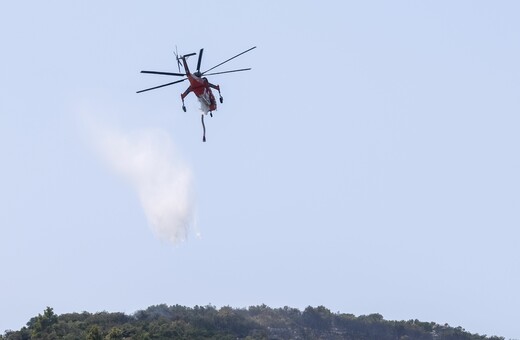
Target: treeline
(208, 322)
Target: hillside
(208, 322)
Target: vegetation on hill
(208, 322)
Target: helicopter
(199, 83)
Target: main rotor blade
(242, 69)
(165, 73)
(157, 87)
(200, 59)
(252, 48)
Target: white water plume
(163, 181)
(204, 107)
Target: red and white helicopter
(199, 84)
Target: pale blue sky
(368, 162)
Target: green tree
(42, 323)
(114, 334)
(94, 333)
(318, 318)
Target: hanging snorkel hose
(203, 128)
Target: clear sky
(368, 163)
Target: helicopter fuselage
(201, 87)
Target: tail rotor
(177, 57)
